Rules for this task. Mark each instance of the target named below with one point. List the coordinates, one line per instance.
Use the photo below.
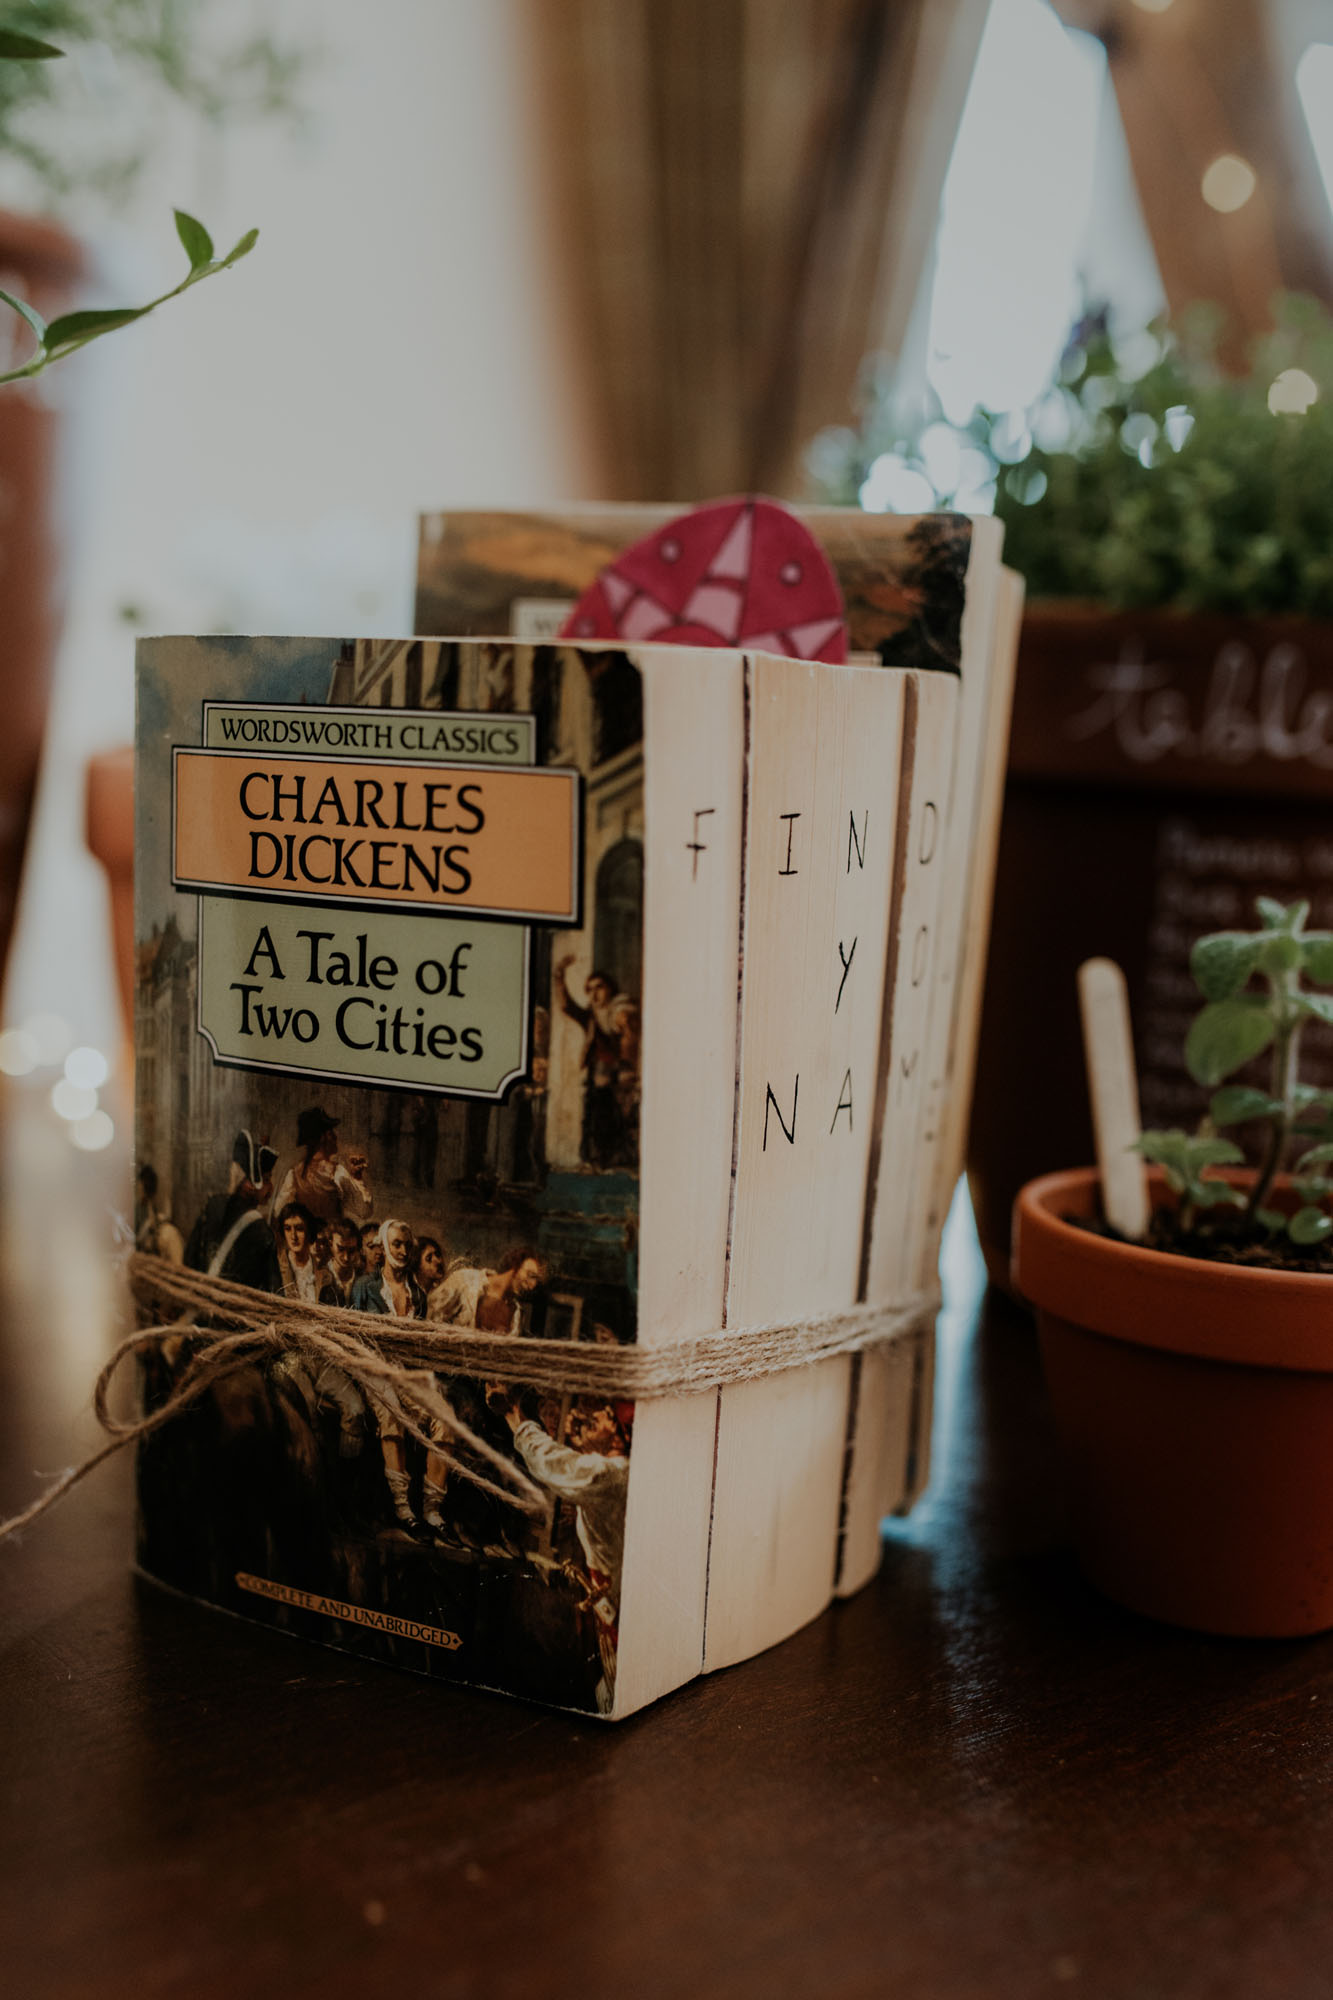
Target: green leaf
(1317, 1156)
(1167, 1150)
(1237, 1102)
(73, 328)
(1310, 1225)
(1320, 1005)
(1216, 1194)
(195, 240)
(1274, 915)
(1271, 1219)
(1163, 1148)
(1214, 1153)
(1225, 1036)
(15, 47)
(1280, 954)
(26, 312)
(1317, 955)
(1221, 964)
(241, 249)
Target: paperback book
(438, 1018)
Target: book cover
(903, 577)
(438, 1018)
(388, 1019)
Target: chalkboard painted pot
(1194, 1406)
(1165, 768)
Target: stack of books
(590, 989)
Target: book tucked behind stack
(442, 936)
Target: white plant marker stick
(1113, 1086)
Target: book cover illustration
(732, 573)
(389, 932)
(902, 578)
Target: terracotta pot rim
(1153, 1298)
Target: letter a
(264, 949)
(844, 1102)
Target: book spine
(694, 745)
(983, 848)
(879, 1420)
(823, 764)
(936, 1172)
(965, 1026)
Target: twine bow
(396, 1364)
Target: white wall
(253, 457)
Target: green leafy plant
(60, 337)
(1257, 1001)
(1144, 474)
(90, 124)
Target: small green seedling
(1253, 984)
(60, 337)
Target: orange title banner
(435, 836)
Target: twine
(395, 1363)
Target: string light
(72, 1100)
(88, 1067)
(1228, 183)
(94, 1133)
(18, 1053)
(1292, 393)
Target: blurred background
(524, 251)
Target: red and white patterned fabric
(733, 573)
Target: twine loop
(397, 1364)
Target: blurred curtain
(748, 192)
(1195, 80)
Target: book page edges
(694, 758)
(782, 1442)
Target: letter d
(262, 874)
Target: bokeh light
(88, 1067)
(94, 1133)
(73, 1100)
(1228, 183)
(18, 1053)
(1292, 393)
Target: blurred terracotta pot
(41, 264)
(109, 829)
(1194, 1405)
(1164, 769)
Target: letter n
(771, 1104)
(854, 845)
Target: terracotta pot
(109, 831)
(1194, 1405)
(41, 264)
(1164, 770)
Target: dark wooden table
(975, 1779)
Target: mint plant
(1257, 1001)
(1145, 473)
(60, 337)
